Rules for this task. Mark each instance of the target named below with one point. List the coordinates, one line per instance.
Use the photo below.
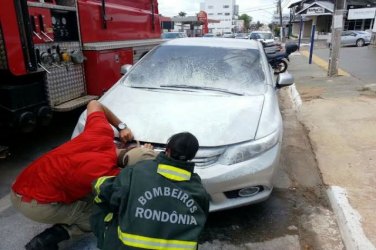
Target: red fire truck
(56, 55)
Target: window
(210, 7)
(226, 6)
(210, 14)
(227, 14)
(219, 14)
(367, 24)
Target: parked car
(241, 36)
(228, 35)
(266, 37)
(354, 38)
(224, 94)
(209, 35)
(173, 35)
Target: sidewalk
(340, 116)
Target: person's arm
(94, 106)
(110, 190)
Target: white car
(228, 35)
(263, 36)
(222, 91)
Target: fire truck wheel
(44, 116)
(27, 122)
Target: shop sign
(364, 13)
(315, 10)
(202, 16)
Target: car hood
(155, 115)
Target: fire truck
(57, 55)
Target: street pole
(280, 21)
(374, 31)
(300, 31)
(337, 27)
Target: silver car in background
(222, 91)
(354, 38)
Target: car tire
(360, 43)
(281, 67)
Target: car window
(236, 70)
(262, 35)
(346, 33)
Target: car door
(346, 37)
(352, 38)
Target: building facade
(226, 11)
(359, 15)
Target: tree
(247, 19)
(182, 13)
(259, 24)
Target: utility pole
(335, 44)
(280, 20)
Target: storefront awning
(318, 8)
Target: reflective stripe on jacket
(156, 204)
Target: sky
(259, 10)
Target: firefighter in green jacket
(154, 204)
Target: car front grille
(205, 157)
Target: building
(359, 15)
(312, 12)
(239, 26)
(193, 26)
(224, 10)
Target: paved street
(359, 62)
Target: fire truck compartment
(102, 68)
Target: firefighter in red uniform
(56, 188)
(154, 204)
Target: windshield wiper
(143, 87)
(181, 86)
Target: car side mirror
(125, 68)
(284, 80)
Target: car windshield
(264, 35)
(237, 71)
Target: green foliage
(247, 20)
(277, 31)
(182, 13)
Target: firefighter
(56, 188)
(154, 204)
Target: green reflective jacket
(155, 204)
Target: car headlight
(245, 151)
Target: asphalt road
(359, 62)
(296, 216)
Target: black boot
(48, 239)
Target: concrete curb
(295, 97)
(349, 220)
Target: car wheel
(281, 67)
(360, 43)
